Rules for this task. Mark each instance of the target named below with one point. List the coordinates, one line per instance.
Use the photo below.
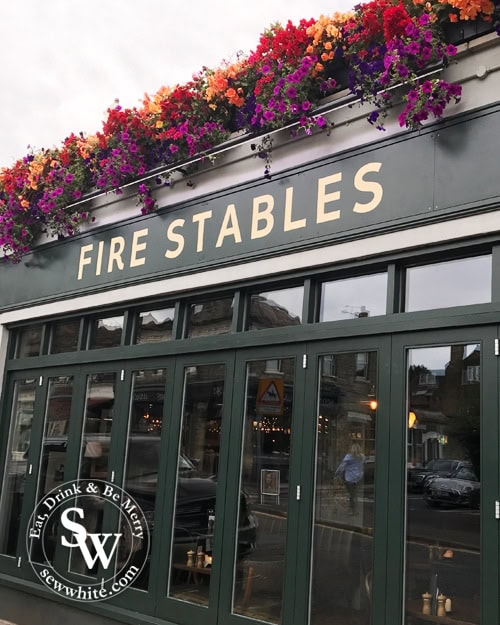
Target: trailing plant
(385, 49)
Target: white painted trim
(456, 229)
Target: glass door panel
(260, 555)
(53, 456)
(142, 462)
(443, 570)
(344, 489)
(94, 457)
(195, 497)
(96, 431)
(16, 465)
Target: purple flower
(269, 116)
(306, 105)
(412, 96)
(427, 86)
(451, 50)
(426, 53)
(428, 36)
(413, 48)
(402, 71)
(291, 93)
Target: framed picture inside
(270, 482)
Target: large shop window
(344, 493)
(65, 335)
(210, 318)
(29, 341)
(443, 503)
(451, 283)
(353, 298)
(15, 466)
(153, 326)
(276, 309)
(106, 332)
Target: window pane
(195, 498)
(106, 332)
(259, 558)
(443, 501)
(154, 326)
(209, 318)
(16, 465)
(53, 457)
(143, 449)
(276, 309)
(94, 455)
(344, 490)
(452, 283)
(99, 408)
(353, 298)
(29, 341)
(65, 336)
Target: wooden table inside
(193, 571)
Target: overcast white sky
(63, 62)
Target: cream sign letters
(231, 225)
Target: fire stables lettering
(266, 217)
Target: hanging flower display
(383, 51)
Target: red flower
(395, 20)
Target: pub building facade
(219, 358)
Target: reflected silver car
(461, 489)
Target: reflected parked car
(419, 477)
(195, 513)
(461, 489)
(196, 494)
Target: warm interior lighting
(412, 419)
(373, 404)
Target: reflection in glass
(260, 554)
(65, 336)
(344, 495)
(154, 326)
(53, 456)
(210, 318)
(143, 449)
(276, 309)
(452, 283)
(354, 298)
(99, 404)
(106, 332)
(94, 455)
(16, 465)
(29, 341)
(195, 498)
(442, 532)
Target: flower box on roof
(381, 45)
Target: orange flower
(233, 97)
